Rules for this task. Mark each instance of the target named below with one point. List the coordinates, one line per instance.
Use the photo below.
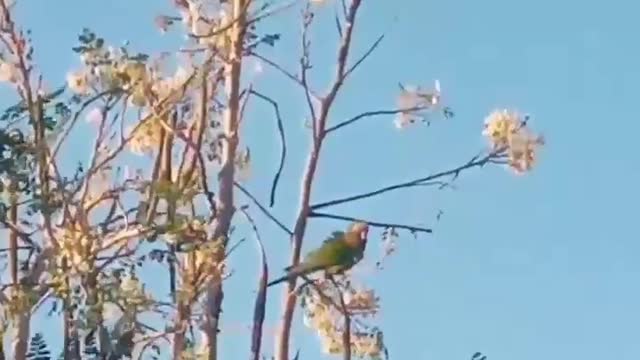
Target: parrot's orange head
(362, 230)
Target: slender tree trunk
(225, 206)
(21, 342)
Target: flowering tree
(79, 234)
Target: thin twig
(262, 208)
(474, 162)
(234, 247)
(305, 65)
(73, 122)
(371, 49)
(415, 229)
(371, 114)
(283, 144)
(286, 73)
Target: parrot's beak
(364, 233)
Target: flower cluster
(324, 313)
(416, 104)
(79, 247)
(208, 21)
(146, 136)
(389, 244)
(507, 131)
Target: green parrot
(338, 253)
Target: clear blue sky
(536, 267)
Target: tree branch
(290, 299)
(415, 229)
(474, 162)
(261, 296)
(286, 73)
(371, 114)
(262, 208)
(283, 144)
(365, 55)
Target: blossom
(163, 22)
(78, 82)
(134, 71)
(507, 130)
(500, 126)
(416, 103)
(146, 136)
(8, 72)
(323, 314)
(94, 116)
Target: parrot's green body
(338, 253)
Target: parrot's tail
(279, 280)
(293, 272)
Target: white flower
(417, 103)
(111, 312)
(78, 82)
(8, 72)
(94, 116)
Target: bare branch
(415, 229)
(283, 144)
(371, 114)
(282, 345)
(263, 209)
(305, 65)
(73, 122)
(261, 296)
(371, 49)
(474, 162)
(287, 74)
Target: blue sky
(535, 267)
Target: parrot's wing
(335, 236)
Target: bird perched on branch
(338, 253)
